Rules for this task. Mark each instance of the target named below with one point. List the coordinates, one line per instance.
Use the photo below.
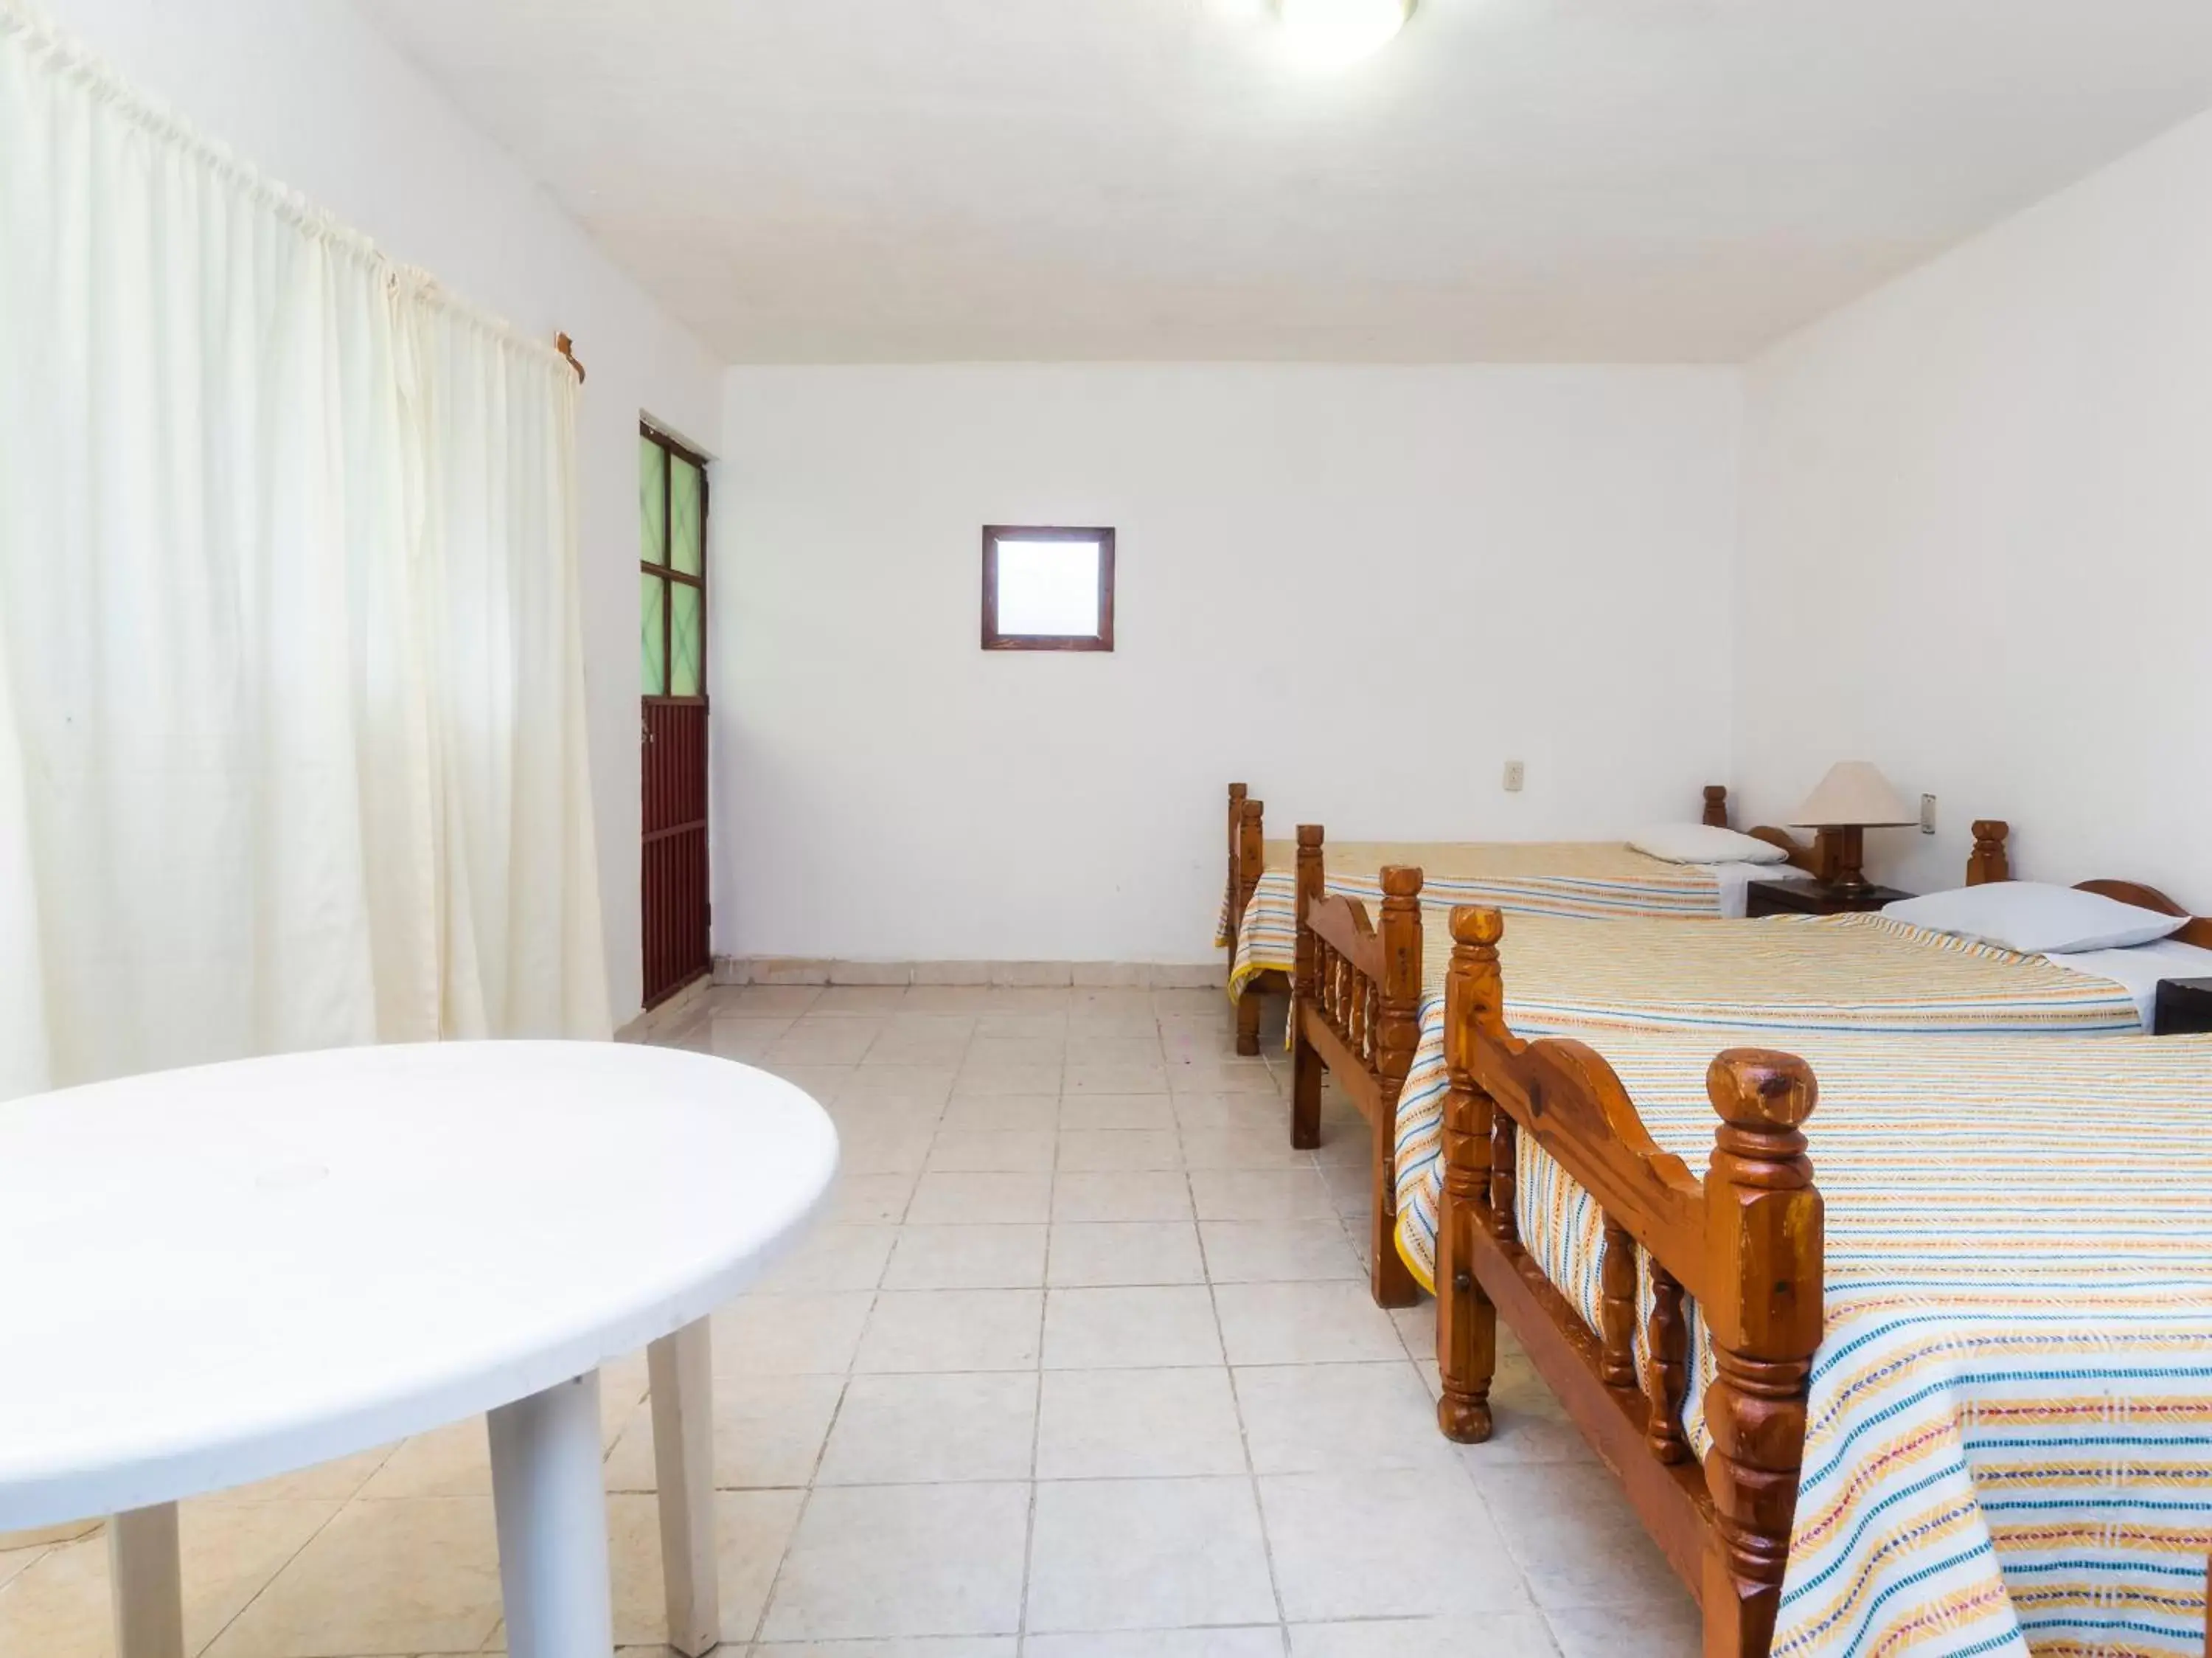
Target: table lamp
(1851, 798)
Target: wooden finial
(1717, 804)
(1989, 861)
(567, 348)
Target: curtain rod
(566, 346)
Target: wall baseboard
(655, 1020)
(1084, 975)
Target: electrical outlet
(1516, 773)
(1928, 814)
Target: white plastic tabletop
(208, 1276)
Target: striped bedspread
(2009, 1441)
(1776, 981)
(1588, 880)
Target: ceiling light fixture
(1329, 34)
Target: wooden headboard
(2199, 931)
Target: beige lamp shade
(1853, 794)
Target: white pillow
(1701, 843)
(2035, 917)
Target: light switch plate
(1516, 773)
(1928, 814)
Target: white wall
(1978, 539)
(307, 91)
(1362, 590)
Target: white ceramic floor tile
(982, 1081)
(1275, 1252)
(907, 1430)
(1112, 1113)
(790, 1335)
(1304, 1324)
(1407, 1543)
(892, 1560)
(768, 1430)
(1339, 1418)
(1132, 1195)
(833, 1256)
(968, 1258)
(1578, 1540)
(1124, 1252)
(1245, 1194)
(1124, 1329)
(1035, 1112)
(992, 1151)
(956, 1199)
(955, 1646)
(1499, 1635)
(1097, 1424)
(923, 1330)
(752, 1529)
(870, 1200)
(1667, 1628)
(1097, 1150)
(416, 1575)
(1147, 1554)
(1245, 1148)
(1265, 1641)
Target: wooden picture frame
(993, 639)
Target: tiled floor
(1082, 1365)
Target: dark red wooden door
(672, 498)
(677, 949)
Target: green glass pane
(685, 642)
(652, 502)
(687, 522)
(651, 640)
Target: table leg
(146, 1583)
(681, 1370)
(549, 1499)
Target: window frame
(994, 640)
(676, 450)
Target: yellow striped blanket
(2010, 1443)
(1589, 881)
(1772, 981)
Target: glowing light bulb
(1329, 34)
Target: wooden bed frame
(1248, 843)
(1744, 1242)
(1356, 1004)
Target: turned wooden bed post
(1305, 1064)
(1989, 861)
(1237, 791)
(1247, 859)
(1397, 1035)
(1467, 1322)
(1716, 805)
(1763, 1312)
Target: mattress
(1568, 880)
(2009, 1439)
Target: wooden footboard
(1745, 1243)
(1247, 862)
(1355, 1011)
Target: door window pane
(685, 641)
(652, 502)
(652, 638)
(687, 550)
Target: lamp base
(1848, 880)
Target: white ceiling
(826, 180)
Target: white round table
(217, 1275)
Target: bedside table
(1814, 898)
(2184, 1006)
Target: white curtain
(291, 730)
